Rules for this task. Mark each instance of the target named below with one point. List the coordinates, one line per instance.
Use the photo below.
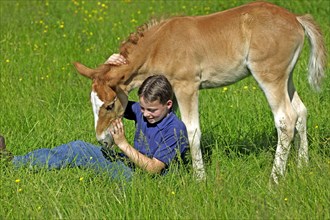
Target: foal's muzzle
(106, 140)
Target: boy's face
(154, 111)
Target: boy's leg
(73, 154)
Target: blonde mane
(133, 38)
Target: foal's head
(108, 100)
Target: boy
(160, 138)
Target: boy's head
(155, 96)
(156, 87)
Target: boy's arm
(151, 165)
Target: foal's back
(218, 49)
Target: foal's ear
(91, 73)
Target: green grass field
(44, 103)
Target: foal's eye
(110, 107)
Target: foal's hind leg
(285, 118)
(301, 128)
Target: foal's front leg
(187, 97)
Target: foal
(197, 52)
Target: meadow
(44, 103)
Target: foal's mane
(133, 38)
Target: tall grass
(44, 103)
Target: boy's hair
(156, 87)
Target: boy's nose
(146, 114)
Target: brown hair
(156, 87)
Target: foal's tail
(318, 54)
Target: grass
(44, 103)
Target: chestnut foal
(197, 52)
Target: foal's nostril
(103, 143)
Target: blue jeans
(75, 154)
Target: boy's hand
(116, 59)
(118, 133)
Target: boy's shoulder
(175, 121)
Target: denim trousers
(75, 154)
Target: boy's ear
(169, 104)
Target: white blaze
(105, 137)
(96, 104)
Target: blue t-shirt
(165, 140)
